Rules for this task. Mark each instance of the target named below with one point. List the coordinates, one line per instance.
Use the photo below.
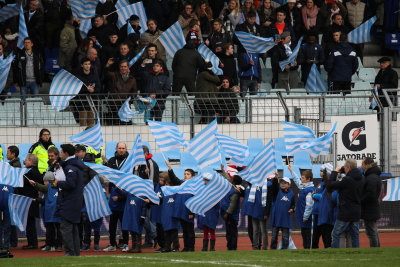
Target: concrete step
(372, 61)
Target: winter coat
(80, 101)
(228, 103)
(218, 40)
(248, 71)
(186, 62)
(229, 68)
(388, 79)
(356, 13)
(36, 28)
(19, 68)
(158, 84)
(206, 86)
(342, 63)
(116, 85)
(116, 163)
(370, 208)
(68, 45)
(101, 33)
(325, 13)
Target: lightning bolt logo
(356, 134)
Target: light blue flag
(83, 9)
(91, 137)
(106, 172)
(95, 200)
(12, 176)
(172, 39)
(204, 146)
(135, 9)
(291, 244)
(292, 57)
(63, 88)
(170, 190)
(22, 30)
(361, 34)
(237, 151)
(133, 60)
(129, 29)
(320, 146)
(373, 102)
(261, 166)
(135, 158)
(255, 44)
(392, 190)
(19, 208)
(295, 135)
(5, 66)
(315, 83)
(191, 186)
(8, 12)
(209, 195)
(167, 135)
(125, 113)
(264, 193)
(121, 4)
(207, 54)
(85, 26)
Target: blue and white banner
(167, 135)
(392, 190)
(255, 44)
(191, 186)
(5, 66)
(320, 146)
(135, 9)
(8, 12)
(83, 9)
(237, 151)
(125, 113)
(85, 26)
(207, 54)
(121, 4)
(315, 83)
(172, 39)
(12, 176)
(22, 30)
(295, 135)
(129, 29)
(91, 137)
(96, 201)
(63, 88)
(292, 57)
(135, 158)
(361, 34)
(19, 208)
(133, 60)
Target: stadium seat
(302, 160)
(255, 146)
(188, 161)
(361, 85)
(315, 170)
(110, 149)
(159, 159)
(23, 150)
(367, 74)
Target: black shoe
(175, 250)
(29, 247)
(147, 245)
(184, 250)
(158, 250)
(165, 250)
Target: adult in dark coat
(370, 208)
(327, 39)
(249, 26)
(228, 64)
(70, 199)
(228, 103)
(350, 190)
(158, 10)
(386, 78)
(101, 30)
(34, 20)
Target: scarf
(309, 16)
(333, 12)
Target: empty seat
(367, 74)
(302, 160)
(110, 149)
(23, 150)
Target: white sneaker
(125, 248)
(110, 248)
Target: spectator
(312, 53)
(40, 149)
(309, 14)
(349, 212)
(35, 25)
(134, 21)
(81, 53)
(329, 9)
(205, 16)
(186, 17)
(370, 209)
(12, 39)
(111, 49)
(293, 15)
(228, 104)
(228, 64)
(154, 33)
(356, 15)
(52, 23)
(337, 25)
(281, 26)
(28, 69)
(231, 15)
(68, 45)
(249, 73)
(335, 41)
(342, 63)
(246, 8)
(100, 30)
(249, 26)
(106, 8)
(267, 15)
(194, 32)
(158, 10)
(124, 53)
(95, 64)
(218, 37)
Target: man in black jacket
(386, 78)
(370, 208)
(350, 190)
(249, 26)
(35, 24)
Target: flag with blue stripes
(167, 135)
(95, 200)
(129, 29)
(22, 30)
(261, 166)
(209, 195)
(63, 88)
(8, 12)
(361, 34)
(133, 60)
(392, 190)
(83, 9)
(295, 135)
(12, 176)
(291, 244)
(91, 137)
(315, 83)
(135, 158)
(207, 54)
(172, 39)
(121, 4)
(106, 172)
(255, 44)
(191, 186)
(373, 102)
(264, 193)
(235, 150)
(84, 27)
(321, 145)
(5, 66)
(292, 57)
(204, 146)
(135, 9)
(19, 208)
(125, 113)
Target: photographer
(350, 189)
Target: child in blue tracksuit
(305, 204)
(280, 205)
(5, 220)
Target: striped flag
(315, 83)
(63, 88)
(22, 30)
(95, 200)
(19, 207)
(84, 27)
(129, 29)
(392, 190)
(255, 44)
(133, 60)
(207, 54)
(12, 176)
(167, 135)
(135, 9)
(261, 166)
(8, 12)
(361, 34)
(172, 39)
(91, 137)
(191, 186)
(291, 244)
(83, 9)
(106, 172)
(209, 195)
(135, 158)
(125, 113)
(292, 57)
(204, 146)
(373, 102)
(320, 146)
(121, 4)
(5, 66)
(237, 151)
(295, 135)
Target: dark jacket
(36, 28)
(15, 162)
(117, 161)
(388, 79)
(19, 68)
(229, 68)
(186, 62)
(153, 173)
(342, 63)
(218, 40)
(272, 31)
(101, 33)
(206, 86)
(117, 85)
(271, 197)
(71, 197)
(158, 84)
(327, 38)
(248, 71)
(87, 79)
(311, 52)
(228, 103)
(370, 208)
(107, 8)
(293, 17)
(350, 191)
